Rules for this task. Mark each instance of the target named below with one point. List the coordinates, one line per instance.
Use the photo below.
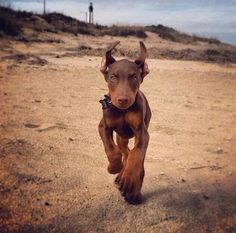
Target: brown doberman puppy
(127, 112)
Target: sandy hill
(162, 41)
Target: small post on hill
(5, 3)
(44, 7)
(86, 16)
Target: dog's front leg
(132, 177)
(112, 151)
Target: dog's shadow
(151, 195)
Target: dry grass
(179, 45)
(171, 34)
(54, 22)
(8, 24)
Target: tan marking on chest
(134, 119)
(114, 122)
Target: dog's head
(124, 77)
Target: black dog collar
(106, 102)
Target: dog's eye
(135, 78)
(113, 78)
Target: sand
(53, 175)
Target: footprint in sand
(45, 126)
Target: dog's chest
(121, 124)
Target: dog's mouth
(123, 106)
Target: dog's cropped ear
(108, 59)
(140, 61)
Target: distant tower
(91, 13)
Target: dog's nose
(123, 101)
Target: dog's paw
(118, 178)
(130, 187)
(115, 167)
(133, 199)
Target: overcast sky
(215, 18)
